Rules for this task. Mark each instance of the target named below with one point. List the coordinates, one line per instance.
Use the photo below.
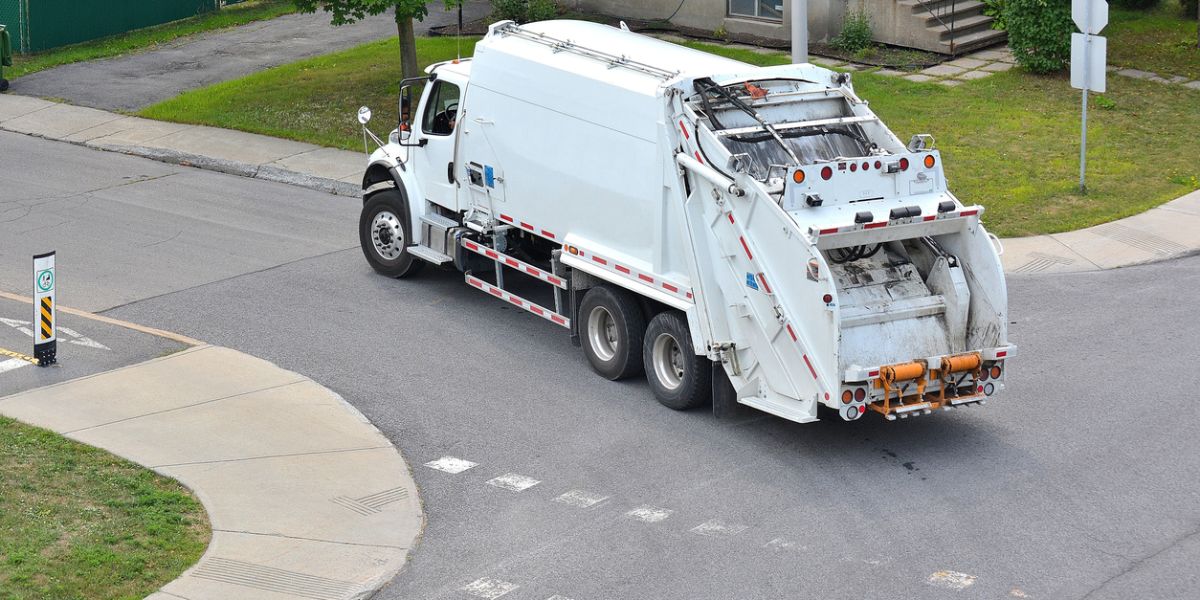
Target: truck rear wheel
(384, 232)
(612, 332)
(679, 378)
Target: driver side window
(441, 111)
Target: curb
(230, 167)
(306, 497)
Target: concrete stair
(951, 26)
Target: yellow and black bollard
(45, 339)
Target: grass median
(78, 522)
(1009, 141)
(141, 39)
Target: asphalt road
(135, 81)
(1082, 481)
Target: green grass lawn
(1161, 41)
(236, 14)
(77, 522)
(1010, 141)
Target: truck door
(434, 161)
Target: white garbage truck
(746, 235)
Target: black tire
(3, 85)
(680, 379)
(611, 325)
(390, 256)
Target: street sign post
(45, 311)
(1088, 57)
(799, 15)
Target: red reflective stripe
(930, 217)
(875, 225)
(701, 160)
(622, 269)
(471, 245)
(730, 215)
(792, 332)
(830, 230)
(506, 218)
(496, 292)
(599, 260)
(475, 282)
(1002, 354)
(810, 367)
(873, 374)
(515, 300)
(684, 130)
(967, 213)
(533, 271)
(547, 234)
(536, 310)
(512, 263)
(555, 281)
(670, 288)
(525, 225)
(746, 248)
(763, 279)
(689, 295)
(646, 278)
(558, 319)
(491, 254)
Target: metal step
(438, 221)
(518, 301)
(429, 254)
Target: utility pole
(799, 31)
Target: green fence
(43, 24)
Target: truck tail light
(798, 176)
(847, 396)
(904, 164)
(996, 371)
(826, 173)
(929, 161)
(860, 394)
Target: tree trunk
(408, 46)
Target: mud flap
(724, 397)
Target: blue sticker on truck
(489, 176)
(751, 282)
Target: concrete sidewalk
(306, 498)
(1169, 231)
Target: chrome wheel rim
(602, 333)
(387, 235)
(667, 357)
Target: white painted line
(557, 597)
(451, 465)
(649, 514)
(489, 588)
(581, 499)
(718, 528)
(12, 363)
(782, 544)
(952, 580)
(514, 482)
(82, 340)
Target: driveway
(135, 81)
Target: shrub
(995, 9)
(856, 32)
(1137, 4)
(524, 11)
(1189, 8)
(1039, 33)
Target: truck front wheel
(679, 379)
(612, 332)
(384, 232)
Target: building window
(759, 9)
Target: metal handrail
(927, 5)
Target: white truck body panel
(633, 155)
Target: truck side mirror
(364, 115)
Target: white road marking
(76, 338)
(450, 464)
(718, 528)
(581, 499)
(557, 597)
(952, 580)
(12, 363)
(782, 544)
(489, 588)
(649, 514)
(514, 482)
